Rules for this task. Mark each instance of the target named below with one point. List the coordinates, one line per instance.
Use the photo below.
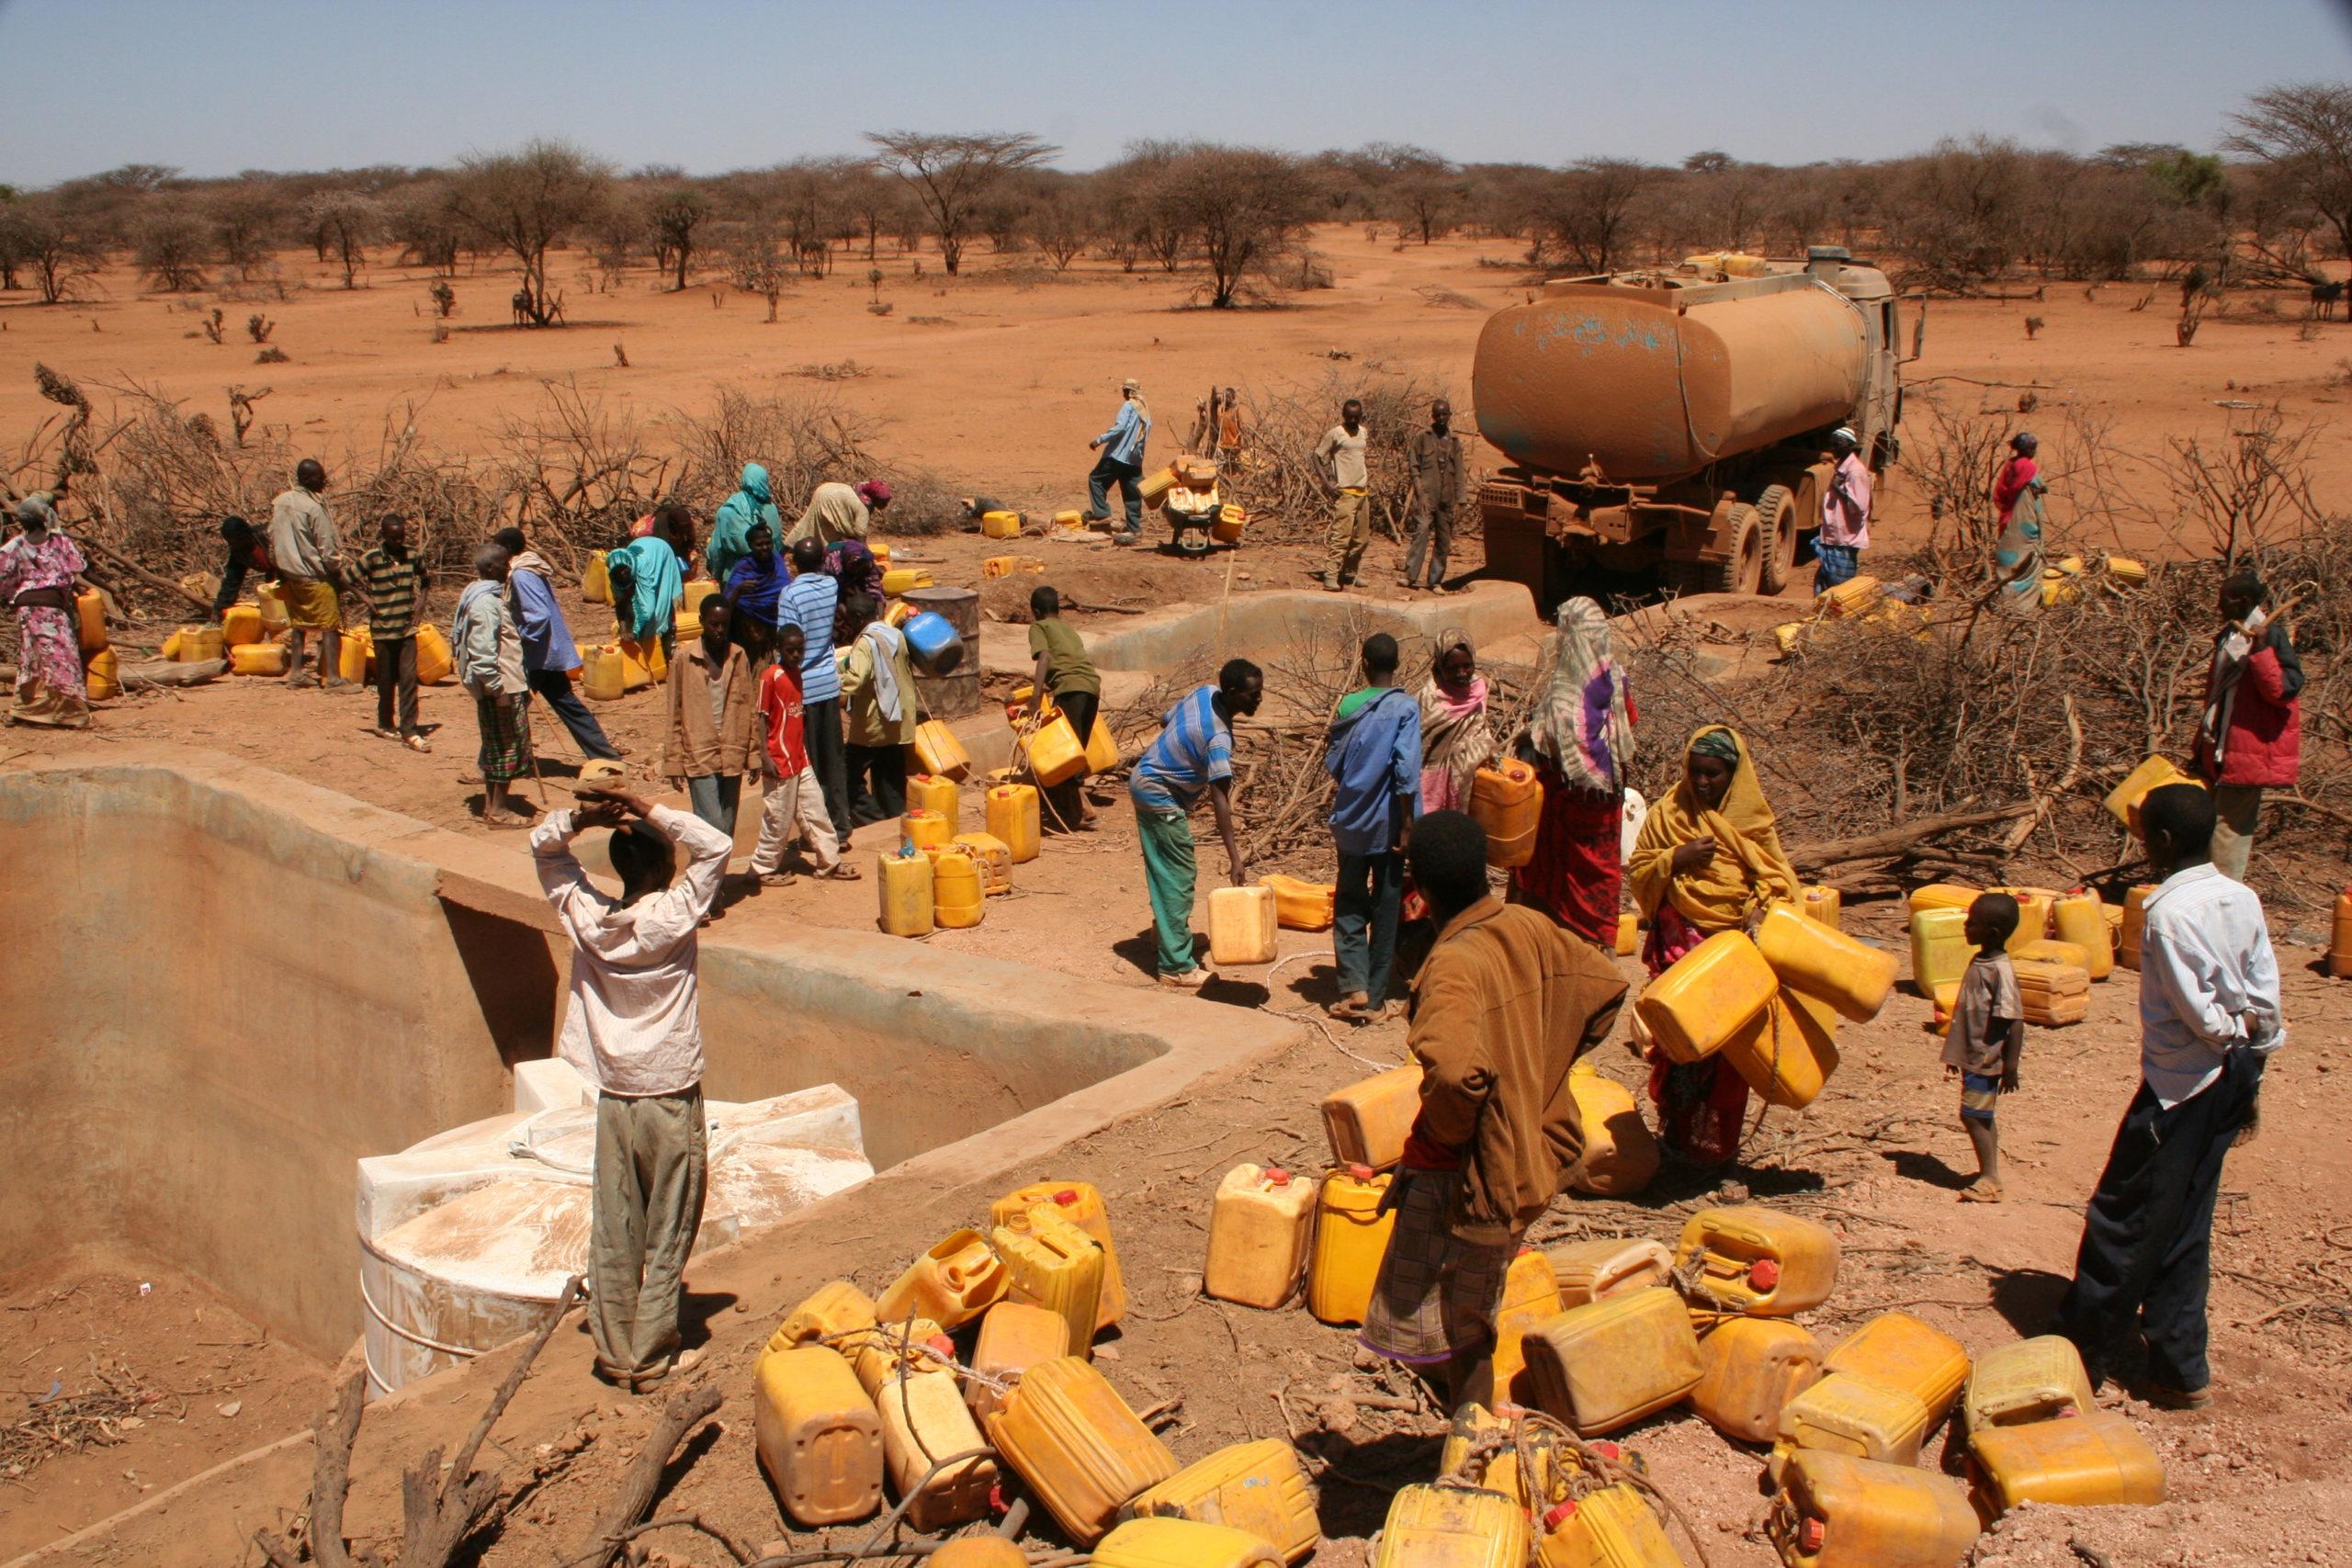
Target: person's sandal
(778, 878)
(1350, 1009)
(844, 873)
(1981, 1192)
(418, 744)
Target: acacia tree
(1588, 210)
(951, 176)
(171, 249)
(1419, 190)
(51, 245)
(675, 214)
(346, 223)
(1239, 207)
(528, 203)
(2302, 135)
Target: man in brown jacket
(1505, 1004)
(714, 718)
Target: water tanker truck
(1677, 420)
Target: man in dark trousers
(1433, 456)
(2209, 1019)
(393, 580)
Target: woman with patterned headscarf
(38, 568)
(1708, 860)
(1581, 742)
(1457, 738)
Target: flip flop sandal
(1980, 1193)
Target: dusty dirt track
(1005, 395)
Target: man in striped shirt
(393, 581)
(1193, 756)
(808, 602)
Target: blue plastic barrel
(933, 643)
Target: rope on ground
(1322, 1028)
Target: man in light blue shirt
(2209, 1016)
(1122, 461)
(808, 602)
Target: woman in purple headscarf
(1581, 742)
(852, 565)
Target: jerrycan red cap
(1609, 1451)
(1360, 1172)
(1764, 1274)
(1810, 1534)
(941, 1343)
(1066, 1195)
(1559, 1514)
(1277, 1177)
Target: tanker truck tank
(1673, 424)
(1653, 385)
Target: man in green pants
(1192, 756)
(634, 1029)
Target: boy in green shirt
(1067, 675)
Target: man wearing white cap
(1121, 463)
(1845, 514)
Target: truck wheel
(1776, 513)
(1744, 568)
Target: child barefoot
(1987, 1037)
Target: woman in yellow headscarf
(1708, 860)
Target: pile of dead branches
(101, 1414)
(1279, 479)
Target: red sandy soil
(2256, 1479)
(1011, 369)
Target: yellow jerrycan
(924, 827)
(1754, 1366)
(951, 1284)
(1835, 1511)
(1844, 1415)
(877, 1355)
(992, 857)
(2096, 1458)
(1259, 1487)
(1607, 1364)
(1943, 896)
(1182, 1543)
(1852, 976)
(1258, 1236)
(1350, 1238)
(1080, 1203)
(434, 662)
(1707, 995)
(1604, 1266)
(1013, 817)
(1787, 1052)
(1758, 1261)
(827, 1313)
(819, 1437)
(1939, 950)
(957, 902)
(1508, 802)
(939, 753)
(1620, 1154)
(102, 677)
(1612, 1528)
(2025, 1381)
(2034, 905)
(1014, 1337)
(1825, 905)
(1531, 1296)
(602, 675)
(978, 1551)
(1243, 923)
(924, 1420)
(1302, 905)
(903, 883)
(2339, 945)
(2080, 918)
(2127, 942)
(1050, 1262)
(1056, 755)
(240, 624)
(929, 791)
(1367, 1122)
(1073, 1439)
(258, 658)
(1450, 1526)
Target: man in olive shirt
(1347, 479)
(1433, 456)
(1066, 673)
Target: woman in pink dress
(36, 573)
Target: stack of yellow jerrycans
(979, 1359)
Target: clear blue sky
(218, 86)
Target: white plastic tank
(465, 1239)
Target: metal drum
(956, 694)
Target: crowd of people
(795, 676)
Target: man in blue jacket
(1374, 756)
(1121, 463)
(549, 656)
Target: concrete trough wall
(229, 986)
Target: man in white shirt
(2209, 1018)
(633, 1028)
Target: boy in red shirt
(794, 808)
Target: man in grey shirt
(309, 557)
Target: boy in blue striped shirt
(1193, 756)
